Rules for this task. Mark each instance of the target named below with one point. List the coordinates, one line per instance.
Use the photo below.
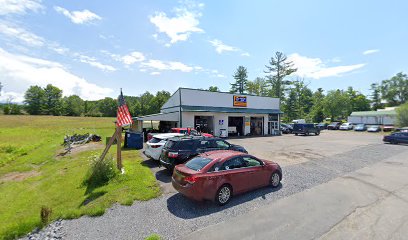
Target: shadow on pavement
(186, 208)
(163, 175)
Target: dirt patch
(18, 176)
(80, 148)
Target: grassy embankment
(32, 175)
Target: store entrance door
(273, 128)
(256, 126)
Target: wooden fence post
(119, 148)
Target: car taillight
(172, 154)
(190, 179)
(155, 146)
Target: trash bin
(134, 140)
(223, 133)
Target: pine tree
(241, 80)
(279, 68)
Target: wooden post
(110, 143)
(119, 148)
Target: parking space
(289, 149)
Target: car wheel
(296, 134)
(223, 195)
(317, 133)
(275, 179)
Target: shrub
(100, 172)
(402, 115)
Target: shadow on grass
(183, 207)
(91, 197)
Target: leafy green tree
(52, 100)
(402, 115)
(34, 98)
(316, 114)
(258, 87)
(108, 107)
(336, 104)
(358, 101)
(395, 90)
(214, 89)
(278, 69)
(241, 80)
(146, 104)
(73, 105)
(376, 97)
(160, 99)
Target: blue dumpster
(134, 140)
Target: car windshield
(334, 123)
(198, 163)
(360, 125)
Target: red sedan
(217, 175)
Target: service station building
(220, 113)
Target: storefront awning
(170, 117)
(229, 110)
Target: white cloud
(221, 47)
(24, 36)
(133, 57)
(370, 51)
(12, 97)
(316, 68)
(181, 25)
(155, 73)
(26, 71)
(93, 62)
(245, 54)
(78, 17)
(19, 6)
(166, 65)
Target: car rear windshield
(186, 145)
(198, 163)
(154, 140)
(170, 144)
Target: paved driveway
(173, 216)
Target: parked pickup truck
(305, 128)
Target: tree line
(298, 101)
(50, 101)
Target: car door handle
(251, 172)
(212, 178)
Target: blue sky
(93, 48)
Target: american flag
(123, 115)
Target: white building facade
(219, 112)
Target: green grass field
(32, 175)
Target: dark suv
(305, 128)
(181, 149)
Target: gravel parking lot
(306, 161)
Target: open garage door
(256, 126)
(204, 124)
(235, 126)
